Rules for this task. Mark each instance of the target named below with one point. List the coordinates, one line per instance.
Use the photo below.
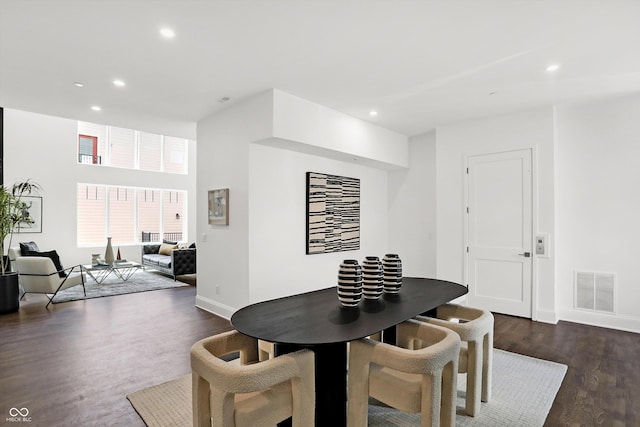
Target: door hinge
(467, 170)
(467, 209)
(467, 249)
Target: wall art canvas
(219, 207)
(34, 212)
(333, 213)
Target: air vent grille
(595, 291)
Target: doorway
(498, 261)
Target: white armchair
(39, 275)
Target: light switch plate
(541, 245)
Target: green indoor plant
(13, 214)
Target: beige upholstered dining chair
(39, 275)
(413, 381)
(250, 393)
(475, 328)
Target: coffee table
(122, 270)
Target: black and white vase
(350, 283)
(392, 273)
(372, 278)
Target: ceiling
(420, 64)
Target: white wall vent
(595, 291)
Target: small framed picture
(34, 213)
(219, 207)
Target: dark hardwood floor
(602, 384)
(72, 365)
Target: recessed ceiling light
(553, 67)
(78, 84)
(373, 113)
(167, 33)
(96, 108)
(118, 83)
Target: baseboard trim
(214, 307)
(611, 321)
(546, 316)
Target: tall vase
(372, 278)
(108, 253)
(350, 283)
(392, 273)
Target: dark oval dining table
(316, 320)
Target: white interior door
(500, 232)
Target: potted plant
(14, 213)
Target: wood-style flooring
(72, 365)
(602, 384)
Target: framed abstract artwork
(333, 213)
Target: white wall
(598, 200)
(277, 222)
(223, 162)
(316, 129)
(535, 129)
(260, 149)
(412, 208)
(44, 148)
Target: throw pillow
(53, 255)
(165, 249)
(26, 247)
(169, 242)
(192, 246)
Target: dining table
(316, 320)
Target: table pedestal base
(331, 382)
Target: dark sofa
(181, 261)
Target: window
(172, 213)
(129, 215)
(150, 152)
(121, 214)
(131, 149)
(91, 214)
(88, 150)
(122, 148)
(174, 155)
(149, 220)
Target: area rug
(141, 281)
(523, 391)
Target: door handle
(526, 254)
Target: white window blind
(121, 214)
(91, 215)
(173, 211)
(150, 150)
(149, 208)
(175, 155)
(122, 147)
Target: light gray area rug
(523, 391)
(141, 281)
